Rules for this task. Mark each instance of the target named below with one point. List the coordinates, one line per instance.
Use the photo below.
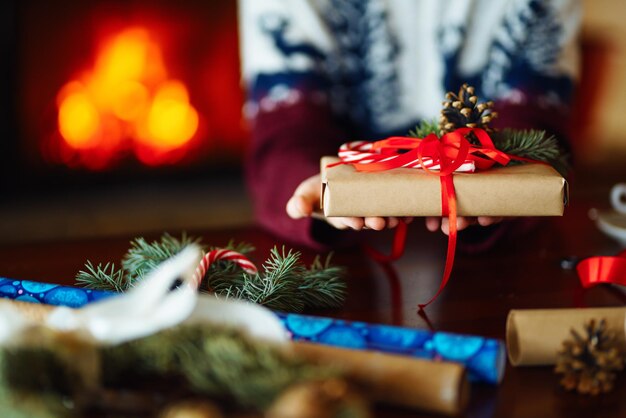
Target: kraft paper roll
(34, 311)
(535, 336)
(398, 380)
(435, 386)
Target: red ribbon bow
(451, 151)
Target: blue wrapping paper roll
(484, 358)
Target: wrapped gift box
(520, 190)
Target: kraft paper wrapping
(521, 190)
(414, 383)
(435, 386)
(535, 336)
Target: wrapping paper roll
(484, 358)
(535, 336)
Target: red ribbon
(451, 150)
(397, 249)
(597, 270)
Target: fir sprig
(284, 284)
(322, 283)
(287, 285)
(101, 277)
(207, 360)
(143, 257)
(425, 128)
(533, 144)
(277, 287)
(215, 361)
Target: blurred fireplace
(116, 90)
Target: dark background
(44, 43)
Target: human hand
(433, 223)
(305, 203)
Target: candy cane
(360, 152)
(222, 254)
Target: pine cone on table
(590, 364)
(462, 110)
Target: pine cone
(589, 364)
(463, 110)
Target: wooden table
(524, 273)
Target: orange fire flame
(127, 98)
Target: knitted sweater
(323, 72)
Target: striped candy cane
(222, 254)
(360, 152)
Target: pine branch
(285, 283)
(207, 360)
(105, 277)
(143, 257)
(528, 144)
(425, 128)
(323, 285)
(215, 361)
(532, 144)
(277, 288)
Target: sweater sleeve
(286, 149)
(525, 60)
(283, 45)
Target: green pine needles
(101, 277)
(527, 143)
(284, 284)
(38, 380)
(215, 361)
(533, 144)
(143, 257)
(425, 128)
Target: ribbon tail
(397, 249)
(448, 203)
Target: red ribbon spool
(597, 270)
